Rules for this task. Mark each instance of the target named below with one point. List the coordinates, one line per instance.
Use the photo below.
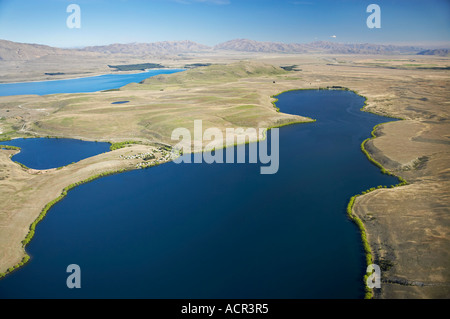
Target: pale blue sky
(213, 21)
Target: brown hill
(23, 51)
(438, 52)
(14, 51)
(155, 48)
(246, 45)
(314, 47)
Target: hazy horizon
(210, 22)
(423, 45)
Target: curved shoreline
(351, 216)
(355, 218)
(47, 207)
(43, 213)
(93, 76)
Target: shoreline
(44, 212)
(89, 76)
(354, 218)
(64, 191)
(401, 223)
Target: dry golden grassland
(408, 227)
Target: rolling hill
(246, 45)
(14, 51)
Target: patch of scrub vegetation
(10, 147)
(22, 165)
(368, 252)
(337, 87)
(7, 136)
(110, 90)
(138, 67)
(385, 264)
(25, 259)
(116, 146)
(358, 222)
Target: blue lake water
(44, 153)
(218, 230)
(86, 84)
(120, 102)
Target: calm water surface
(220, 230)
(86, 84)
(44, 153)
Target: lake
(219, 230)
(79, 85)
(45, 153)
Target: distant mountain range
(314, 47)
(13, 51)
(439, 52)
(22, 51)
(160, 48)
(245, 45)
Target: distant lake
(120, 102)
(79, 85)
(218, 230)
(45, 153)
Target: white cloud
(333, 36)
